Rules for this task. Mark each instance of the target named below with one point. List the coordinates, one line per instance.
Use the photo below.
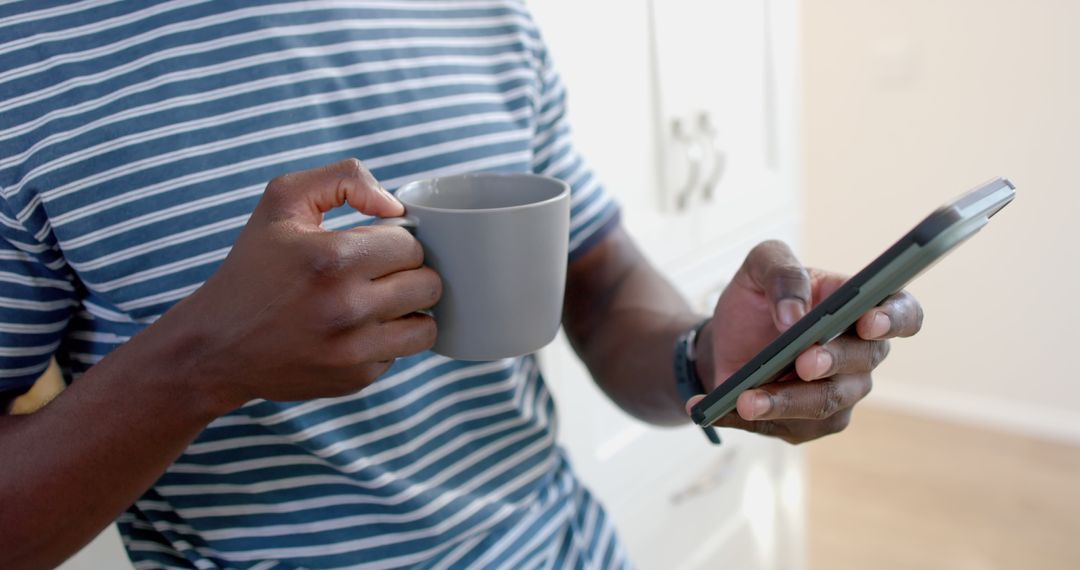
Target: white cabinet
(679, 502)
(710, 103)
(633, 70)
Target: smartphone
(929, 241)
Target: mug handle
(407, 222)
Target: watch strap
(687, 382)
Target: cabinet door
(656, 63)
(603, 51)
(717, 71)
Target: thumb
(776, 272)
(305, 196)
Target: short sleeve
(37, 298)
(593, 212)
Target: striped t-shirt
(135, 139)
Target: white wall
(909, 103)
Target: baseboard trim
(985, 411)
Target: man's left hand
(769, 293)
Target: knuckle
(355, 171)
(277, 190)
(328, 257)
(333, 313)
(352, 167)
(788, 272)
(788, 280)
(337, 321)
(773, 250)
(414, 251)
(429, 331)
(365, 241)
(278, 184)
(912, 319)
(866, 386)
(782, 401)
(764, 427)
(345, 307)
(831, 401)
(435, 286)
(879, 351)
(770, 245)
(393, 244)
(760, 249)
(797, 272)
(346, 187)
(839, 423)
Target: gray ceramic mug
(499, 241)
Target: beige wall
(910, 102)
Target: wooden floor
(897, 492)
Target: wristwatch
(687, 381)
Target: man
(250, 374)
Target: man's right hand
(298, 312)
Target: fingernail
(881, 325)
(789, 311)
(761, 405)
(823, 364)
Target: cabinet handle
(694, 155)
(715, 475)
(710, 134)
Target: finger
(804, 400)
(306, 196)
(406, 292)
(764, 427)
(791, 431)
(387, 249)
(347, 305)
(802, 431)
(773, 269)
(900, 315)
(846, 354)
(410, 334)
(825, 283)
(374, 251)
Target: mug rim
(564, 192)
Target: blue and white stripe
(135, 139)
